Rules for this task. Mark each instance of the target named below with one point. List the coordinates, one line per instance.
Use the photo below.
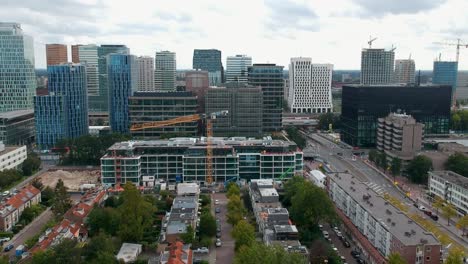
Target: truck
(20, 250)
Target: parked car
(218, 210)
(360, 260)
(4, 239)
(346, 243)
(216, 202)
(355, 254)
(342, 258)
(422, 208)
(218, 229)
(202, 250)
(434, 217)
(218, 234)
(8, 248)
(218, 242)
(325, 234)
(320, 227)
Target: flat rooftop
(452, 177)
(278, 210)
(395, 221)
(285, 229)
(265, 192)
(16, 113)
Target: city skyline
(320, 30)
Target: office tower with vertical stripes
(237, 68)
(377, 66)
(56, 54)
(145, 73)
(165, 71)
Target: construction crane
(458, 45)
(190, 118)
(370, 41)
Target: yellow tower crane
(458, 44)
(190, 118)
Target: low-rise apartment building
(13, 207)
(184, 160)
(12, 157)
(184, 212)
(451, 187)
(386, 228)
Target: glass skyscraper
(122, 77)
(209, 60)
(17, 76)
(446, 72)
(63, 113)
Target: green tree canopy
(449, 212)
(244, 234)
(105, 219)
(259, 253)
(294, 135)
(189, 235)
(395, 166)
(329, 118)
(462, 224)
(31, 164)
(458, 163)
(395, 258)
(236, 209)
(98, 245)
(62, 201)
(454, 257)
(232, 189)
(373, 155)
(207, 224)
(418, 169)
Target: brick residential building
(11, 210)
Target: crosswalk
(377, 188)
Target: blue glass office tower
(63, 113)
(445, 72)
(209, 60)
(122, 74)
(17, 76)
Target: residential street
(225, 253)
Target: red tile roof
(26, 194)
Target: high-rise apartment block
(309, 86)
(237, 68)
(209, 60)
(75, 52)
(377, 66)
(122, 76)
(197, 82)
(362, 105)
(446, 72)
(405, 71)
(245, 106)
(17, 76)
(56, 54)
(462, 85)
(63, 113)
(270, 78)
(145, 73)
(165, 71)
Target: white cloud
(332, 31)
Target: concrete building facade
(197, 82)
(56, 54)
(165, 71)
(88, 56)
(17, 127)
(237, 68)
(18, 78)
(450, 186)
(145, 73)
(184, 160)
(377, 66)
(405, 71)
(12, 157)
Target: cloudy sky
(329, 31)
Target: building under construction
(185, 159)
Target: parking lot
(225, 253)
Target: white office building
(377, 66)
(88, 55)
(237, 67)
(451, 187)
(11, 157)
(145, 73)
(405, 71)
(165, 71)
(309, 86)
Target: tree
(31, 164)
(207, 224)
(67, 252)
(458, 163)
(290, 189)
(43, 257)
(232, 189)
(373, 155)
(318, 251)
(418, 169)
(101, 243)
(47, 196)
(7, 177)
(105, 219)
(448, 212)
(455, 256)
(462, 224)
(37, 183)
(136, 214)
(189, 235)
(235, 209)
(295, 136)
(438, 203)
(395, 258)
(382, 161)
(205, 200)
(244, 234)
(260, 253)
(29, 213)
(395, 167)
(62, 201)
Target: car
(355, 254)
(422, 208)
(218, 229)
(216, 202)
(320, 227)
(218, 242)
(335, 249)
(4, 239)
(434, 217)
(346, 243)
(218, 210)
(202, 250)
(342, 258)
(360, 260)
(325, 234)
(218, 234)
(335, 229)
(339, 235)
(8, 248)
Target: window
(428, 258)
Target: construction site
(74, 180)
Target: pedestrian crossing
(377, 188)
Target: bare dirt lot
(71, 179)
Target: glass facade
(122, 79)
(209, 60)
(270, 78)
(64, 112)
(363, 105)
(17, 127)
(446, 72)
(17, 76)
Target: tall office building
(245, 106)
(237, 68)
(17, 76)
(309, 86)
(197, 82)
(56, 54)
(462, 85)
(145, 73)
(209, 60)
(362, 105)
(64, 112)
(100, 103)
(445, 72)
(122, 76)
(88, 56)
(377, 66)
(75, 51)
(165, 71)
(270, 78)
(405, 71)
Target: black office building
(363, 105)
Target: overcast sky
(328, 31)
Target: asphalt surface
(225, 253)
